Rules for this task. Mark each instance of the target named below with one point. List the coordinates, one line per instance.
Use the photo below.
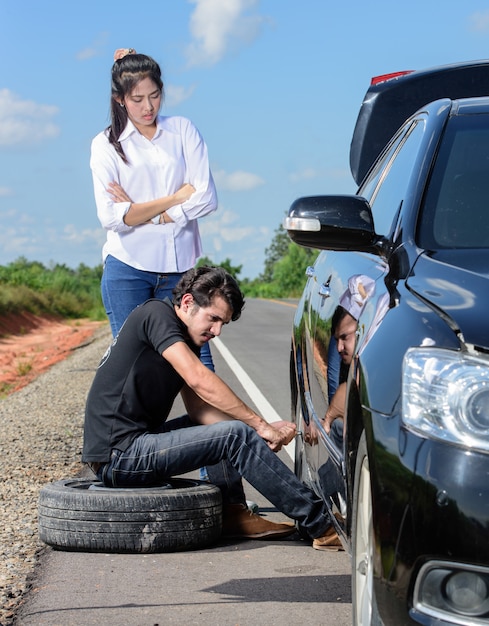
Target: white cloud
(95, 49)
(310, 173)
(224, 236)
(479, 21)
(5, 191)
(7, 216)
(15, 240)
(174, 95)
(307, 173)
(224, 225)
(237, 181)
(80, 236)
(21, 234)
(25, 121)
(218, 26)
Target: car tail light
(384, 77)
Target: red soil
(29, 345)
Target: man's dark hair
(206, 283)
(338, 315)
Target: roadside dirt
(29, 345)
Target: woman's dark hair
(206, 283)
(126, 74)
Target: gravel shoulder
(41, 431)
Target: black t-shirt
(135, 387)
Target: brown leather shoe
(240, 523)
(329, 542)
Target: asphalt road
(232, 583)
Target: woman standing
(152, 182)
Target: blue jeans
(125, 287)
(183, 447)
(334, 366)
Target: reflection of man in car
(345, 331)
(344, 325)
(129, 442)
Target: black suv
(390, 350)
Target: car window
(388, 182)
(455, 209)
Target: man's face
(345, 336)
(204, 323)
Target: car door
(353, 284)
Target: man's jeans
(125, 287)
(154, 457)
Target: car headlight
(445, 395)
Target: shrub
(59, 290)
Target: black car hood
(457, 283)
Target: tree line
(30, 286)
(284, 269)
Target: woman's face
(143, 103)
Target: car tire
(364, 604)
(82, 515)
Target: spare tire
(82, 515)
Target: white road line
(265, 409)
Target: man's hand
(277, 434)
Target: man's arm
(208, 399)
(336, 407)
(200, 411)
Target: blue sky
(274, 86)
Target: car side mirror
(332, 223)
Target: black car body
(405, 464)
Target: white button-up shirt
(177, 154)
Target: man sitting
(128, 440)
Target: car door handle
(325, 290)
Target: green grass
(29, 286)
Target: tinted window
(386, 187)
(455, 210)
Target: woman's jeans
(154, 457)
(125, 287)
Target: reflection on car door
(333, 288)
(352, 291)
